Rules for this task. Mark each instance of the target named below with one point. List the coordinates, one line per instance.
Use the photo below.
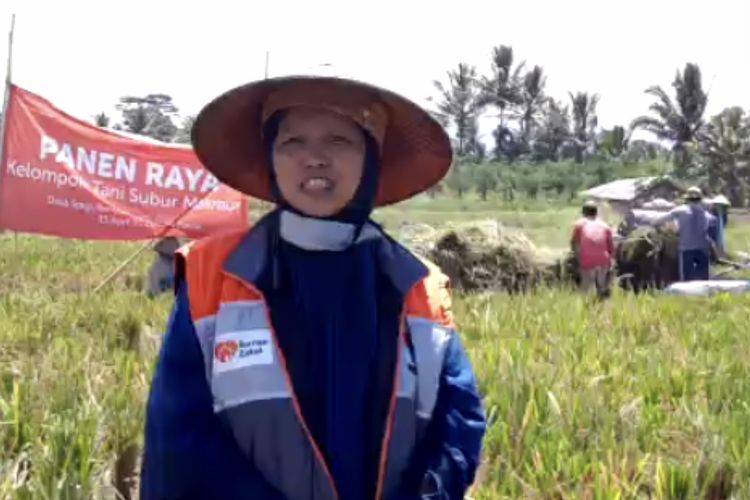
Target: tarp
(63, 177)
(621, 189)
(707, 288)
(646, 217)
(658, 204)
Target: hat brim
(227, 138)
(721, 200)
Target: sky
(83, 56)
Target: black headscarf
(325, 308)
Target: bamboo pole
(6, 104)
(8, 81)
(151, 243)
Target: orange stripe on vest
(201, 263)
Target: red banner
(63, 177)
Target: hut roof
(628, 189)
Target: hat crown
(228, 133)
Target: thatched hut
(624, 194)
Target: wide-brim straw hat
(694, 193)
(720, 199)
(227, 137)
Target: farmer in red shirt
(594, 246)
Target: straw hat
(694, 193)
(227, 134)
(590, 204)
(720, 200)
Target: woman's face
(318, 157)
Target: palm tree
(585, 121)
(554, 131)
(724, 146)
(503, 88)
(460, 105)
(615, 142)
(532, 100)
(678, 121)
(475, 148)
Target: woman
(313, 357)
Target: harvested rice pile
(419, 237)
(480, 255)
(648, 258)
(564, 269)
(644, 242)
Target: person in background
(693, 221)
(593, 243)
(312, 357)
(161, 272)
(719, 208)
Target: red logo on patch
(226, 350)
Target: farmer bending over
(312, 357)
(593, 244)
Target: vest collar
(249, 259)
(317, 234)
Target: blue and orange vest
(248, 376)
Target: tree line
(562, 140)
(152, 115)
(541, 145)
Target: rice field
(640, 397)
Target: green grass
(639, 396)
(643, 397)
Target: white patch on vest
(236, 350)
(440, 336)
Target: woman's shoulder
(435, 275)
(431, 274)
(202, 261)
(431, 297)
(216, 244)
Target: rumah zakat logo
(226, 350)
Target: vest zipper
(295, 402)
(385, 444)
